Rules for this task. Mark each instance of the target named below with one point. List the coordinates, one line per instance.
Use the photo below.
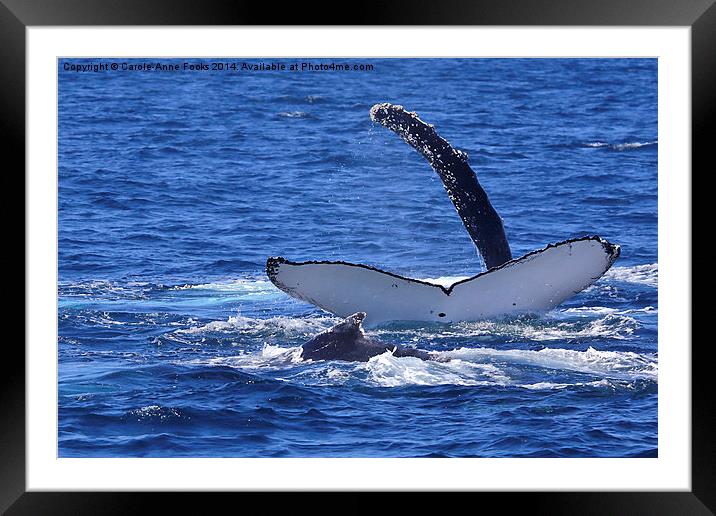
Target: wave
(465, 367)
(248, 289)
(269, 357)
(537, 329)
(387, 370)
(487, 366)
(244, 289)
(647, 274)
(623, 365)
(154, 412)
(621, 146)
(241, 285)
(287, 327)
(295, 114)
(109, 289)
(586, 311)
(612, 324)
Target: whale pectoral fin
(480, 219)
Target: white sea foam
(485, 366)
(241, 285)
(540, 386)
(647, 274)
(104, 289)
(286, 326)
(591, 310)
(234, 322)
(625, 365)
(621, 146)
(271, 357)
(587, 311)
(611, 326)
(293, 114)
(632, 145)
(465, 366)
(387, 370)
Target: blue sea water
(175, 186)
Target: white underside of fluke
(536, 282)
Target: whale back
(347, 341)
(344, 341)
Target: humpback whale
(533, 283)
(347, 341)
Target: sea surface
(175, 186)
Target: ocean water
(175, 186)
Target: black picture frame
(17, 15)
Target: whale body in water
(347, 341)
(533, 283)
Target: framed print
(450, 252)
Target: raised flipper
(482, 222)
